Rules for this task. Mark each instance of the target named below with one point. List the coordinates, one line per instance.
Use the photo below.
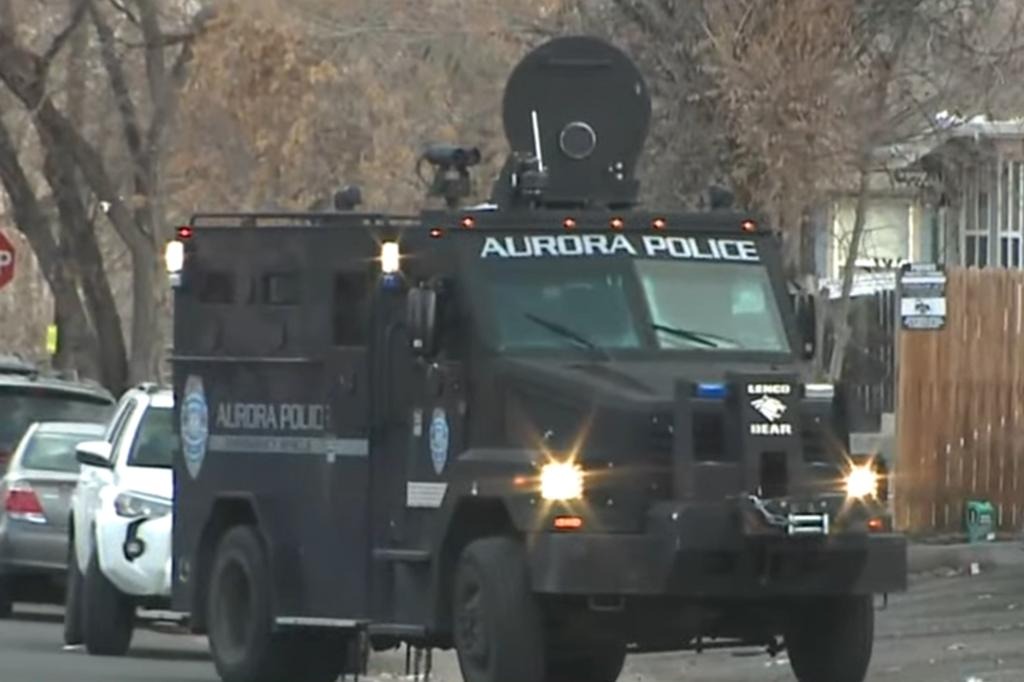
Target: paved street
(948, 629)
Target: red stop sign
(6, 260)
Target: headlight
(133, 506)
(561, 481)
(861, 482)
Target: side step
(402, 556)
(399, 630)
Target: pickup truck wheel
(73, 599)
(497, 620)
(243, 644)
(830, 640)
(108, 615)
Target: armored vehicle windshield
(626, 292)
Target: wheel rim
(471, 629)
(234, 608)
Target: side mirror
(807, 322)
(95, 453)
(421, 320)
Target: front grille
(709, 437)
(817, 444)
(661, 434)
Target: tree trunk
(841, 319)
(145, 318)
(78, 338)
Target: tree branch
(20, 71)
(156, 67)
(123, 9)
(61, 38)
(118, 83)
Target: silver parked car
(36, 492)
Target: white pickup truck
(120, 546)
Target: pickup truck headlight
(561, 481)
(135, 506)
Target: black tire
(6, 597)
(240, 622)
(831, 640)
(498, 629)
(73, 599)
(317, 656)
(108, 615)
(602, 664)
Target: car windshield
(623, 304)
(18, 409)
(54, 451)
(155, 441)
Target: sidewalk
(928, 558)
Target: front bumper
(145, 575)
(28, 548)
(703, 551)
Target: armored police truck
(546, 431)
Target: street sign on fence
(6, 260)
(923, 296)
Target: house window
(979, 225)
(976, 250)
(1010, 219)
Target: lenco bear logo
(771, 408)
(651, 246)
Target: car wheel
(6, 597)
(243, 644)
(830, 640)
(73, 599)
(497, 619)
(108, 615)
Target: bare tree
(79, 170)
(802, 93)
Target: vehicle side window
(155, 441)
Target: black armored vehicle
(546, 431)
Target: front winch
(758, 516)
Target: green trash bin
(981, 520)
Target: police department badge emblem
(439, 440)
(194, 425)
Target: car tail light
(21, 503)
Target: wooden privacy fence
(959, 413)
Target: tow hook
(133, 546)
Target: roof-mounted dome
(576, 113)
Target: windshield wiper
(567, 333)
(704, 338)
